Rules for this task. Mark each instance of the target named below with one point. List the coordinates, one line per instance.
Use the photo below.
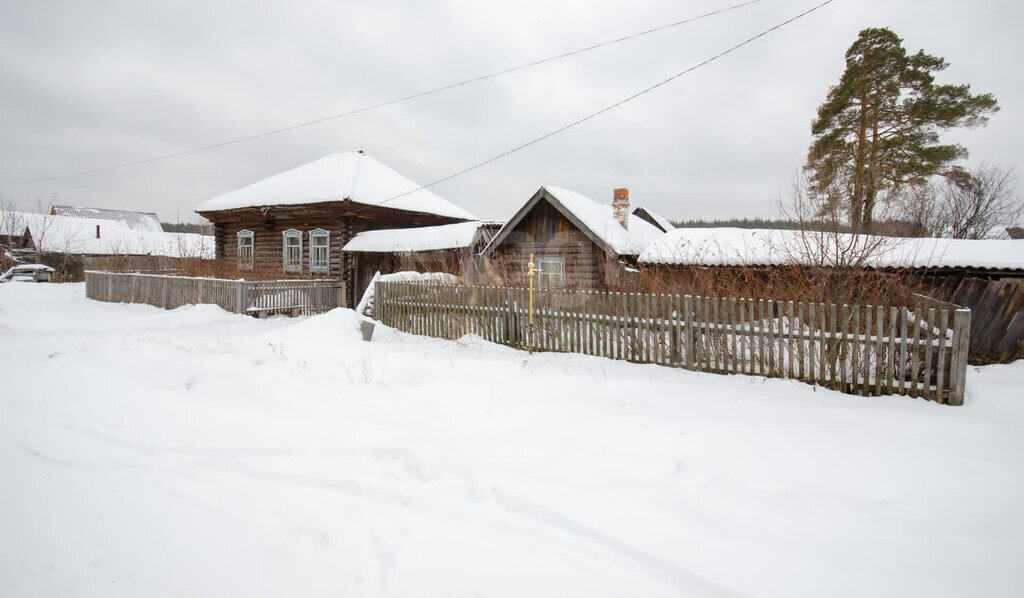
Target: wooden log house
(295, 224)
(576, 242)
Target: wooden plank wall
(170, 292)
(997, 328)
(856, 349)
(546, 232)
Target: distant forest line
(768, 223)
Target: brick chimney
(620, 206)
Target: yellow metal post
(530, 270)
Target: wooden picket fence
(919, 351)
(238, 296)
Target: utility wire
(388, 102)
(610, 107)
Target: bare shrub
(784, 283)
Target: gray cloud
(88, 84)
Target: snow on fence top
(94, 236)
(600, 219)
(352, 176)
(427, 238)
(759, 247)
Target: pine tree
(878, 129)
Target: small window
(550, 272)
(292, 255)
(245, 249)
(319, 250)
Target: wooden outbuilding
(449, 248)
(985, 275)
(576, 242)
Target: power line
(420, 94)
(611, 106)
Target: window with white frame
(246, 241)
(292, 254)
(550, 271)
(319, 250)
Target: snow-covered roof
(352, 176)
(600, 219)
(67, 234)
(658, 219)
(134, 220)
(595, 219)
(754, 247)
(427, 238)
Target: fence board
(170, 292)
(916, 353)
(941, 354)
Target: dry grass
(789, 282)
(784, 283)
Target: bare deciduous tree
(968, 207)
(973, 208)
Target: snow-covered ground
(199, 453)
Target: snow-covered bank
(195, 452)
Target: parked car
(28, 272)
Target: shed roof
(758, 247)
(427, 238)
(351, 176)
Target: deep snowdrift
(194, 452)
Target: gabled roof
(595, 220)
(351, 176)
(427, 238)
(133, 220)
(655, 219)
(759, 247)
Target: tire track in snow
(678, 577)
(588, 542)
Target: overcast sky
(88, 84)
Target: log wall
(545, 232)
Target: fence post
(958, 356)
(511, 326)
(688, 331)
(242, 297)
(674, 308)
(378, 302)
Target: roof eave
(543, 193)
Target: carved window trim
(246, 249)
(291, 250)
